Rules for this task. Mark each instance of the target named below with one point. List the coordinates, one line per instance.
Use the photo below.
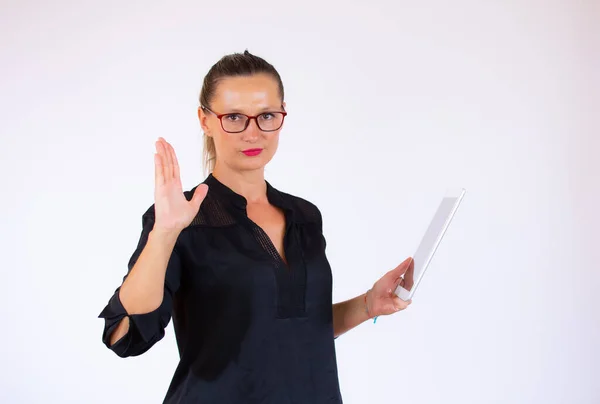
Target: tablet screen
(430, 241)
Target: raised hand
(173, 212)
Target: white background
(389, 103)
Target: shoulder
(149, 215)
(212, 212)
(304, 209)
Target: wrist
(366, 303)
(164, 236)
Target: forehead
(247, 93)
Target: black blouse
(249, 327)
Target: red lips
(252, 152)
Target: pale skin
(142, 291)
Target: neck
(250, 184)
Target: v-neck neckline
(240, 204)
(271, 245)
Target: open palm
(173, 212)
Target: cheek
(223, 145)
(273, 142)
(212, 126)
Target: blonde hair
(210, 154)
(235, 64)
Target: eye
(233, 117)
(267, 116)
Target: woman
(239, 265)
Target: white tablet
(432, 238)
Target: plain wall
(390, 103)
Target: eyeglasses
(237, 122)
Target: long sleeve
(148, 328)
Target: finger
(404, 266)
(159, 177)
(160, 147)
(400, 304)
(395, 274)
(199, 195)
(168, 161)
(176, 173)
(409, 275)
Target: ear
(283, 104)
(202, 117)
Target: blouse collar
(273, 195)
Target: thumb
(199, 195)
(395, 274)
(401, 269)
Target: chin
(251, 164)
(241, 165)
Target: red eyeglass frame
(250, 117)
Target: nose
(252, 132)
